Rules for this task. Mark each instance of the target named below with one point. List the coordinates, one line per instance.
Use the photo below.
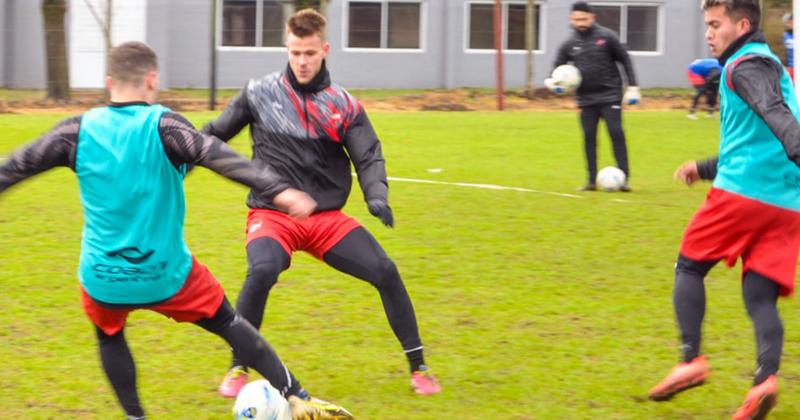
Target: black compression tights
(760, 298)
(357, 254)
(249, 346)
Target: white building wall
(87, 43)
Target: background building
(375, 43)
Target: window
(636, 25)
(384, 24)
(254, 23)
(481, 26)
(515, 22)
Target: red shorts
(728, 226)
(316, 235)
(200, 297)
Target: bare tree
(530, 43)
(53, 12)
(104, 21)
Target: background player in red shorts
(753, 209)
(130, 159)
(310, 130)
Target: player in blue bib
(130, 158)
(753, 209)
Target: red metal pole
(498, 45)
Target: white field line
(484, 186)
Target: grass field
(531, 306)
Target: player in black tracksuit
(597, 52)
(310, 130)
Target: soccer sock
(120, 369)
(689, 300)
(251, 348)
(760, 298)
(416, 360)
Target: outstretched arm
(693, 170)
(235, 117)
(185, 145)
(55, 148)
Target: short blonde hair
(307, 22)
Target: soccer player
(704, 75)
(310, 130)
(597, 52)
(753, 208)
(788, 42)
(130, 158)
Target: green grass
(19, 94)
(530, 305)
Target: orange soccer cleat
(761, 398)
(682, 377)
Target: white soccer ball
(568, 76)
(259, 400)
(610, 178)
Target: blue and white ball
(567, 76)
(259, 400)
(610, 178)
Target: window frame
(259, 30)
(623, 23)
(541, 29)
(384, 29)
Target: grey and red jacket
(308, 134)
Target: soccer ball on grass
(259, 400)
(610, 178)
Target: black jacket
(597, 53)
(308, 134)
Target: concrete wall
(158, 37)
(4, 32)
(180, 32)
(4, 35)
(189, 45)
(444, 60)
(25, 48)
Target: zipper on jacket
(305, 111)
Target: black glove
(380, 209)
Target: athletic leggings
(760, 298)
(590, 117)
(710, 91)
(247, 343)
(357, 254)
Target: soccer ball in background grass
(610, 178)
(259, 400)
(564, 78)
